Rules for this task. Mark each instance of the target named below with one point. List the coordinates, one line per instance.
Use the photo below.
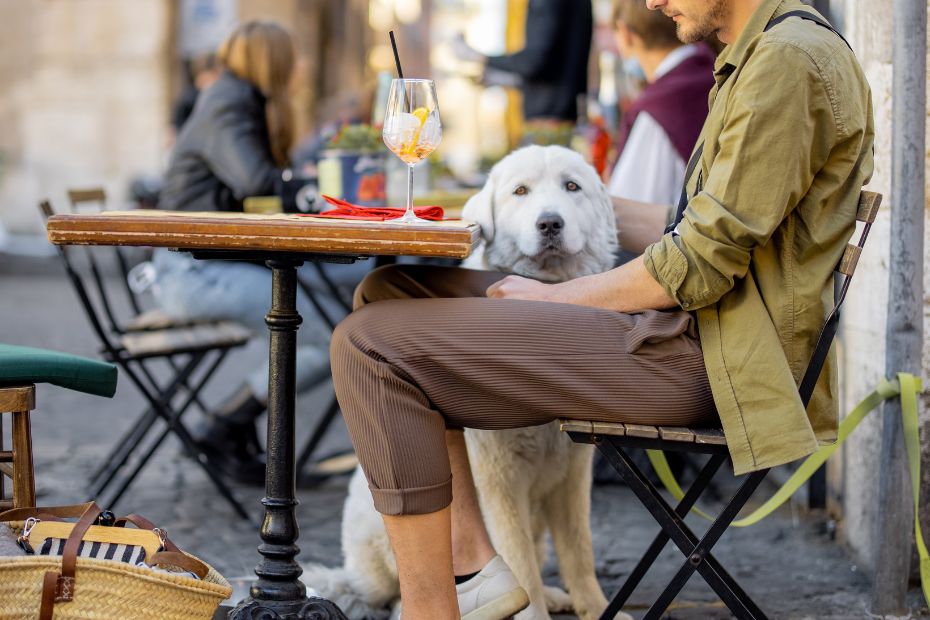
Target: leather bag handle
(21, 514)
(172, 555)
(59, 587)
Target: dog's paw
(557, 600)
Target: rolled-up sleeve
(768, 153)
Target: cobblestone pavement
(792, 568)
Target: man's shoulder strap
(809, 17)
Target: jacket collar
(733, 55)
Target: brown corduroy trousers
(425, 350)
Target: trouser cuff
(417, 501)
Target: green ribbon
(906, 386)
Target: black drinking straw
(400, 72)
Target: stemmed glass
(412, 129)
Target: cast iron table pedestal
(279, 593)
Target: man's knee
(347, 339)
(377, 286)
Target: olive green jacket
(787, 149)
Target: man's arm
(542, 39)
(628, 288)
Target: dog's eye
(521, 190)
(572, 186)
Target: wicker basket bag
(68, 587)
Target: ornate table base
(279, 593)
(309, 609)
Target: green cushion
(20, 365)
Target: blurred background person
(551, 70)
(235, 145)
(660, 128)
(203, 70)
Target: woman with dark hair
(236, 145)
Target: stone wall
(855, 476)
(84, 99)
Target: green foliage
(356, 137)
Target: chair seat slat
(615, 429)
(574, 426)
(184, 340)
(6, 456)
(676, 433)
(641, 430)
(709, 436)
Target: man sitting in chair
(717, 318)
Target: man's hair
(653, 27)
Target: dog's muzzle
(550, 225)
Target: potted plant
(351, 166)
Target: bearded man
(717, 317)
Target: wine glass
(412, 129)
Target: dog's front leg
(568, 511)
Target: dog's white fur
(529, 480)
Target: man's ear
(480, 209)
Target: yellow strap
(907, 387)
(910, 387)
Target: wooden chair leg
(24, 483)
(4, 471)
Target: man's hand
(629, 288)
(517, 287)
(466, 52)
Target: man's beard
(705, 25)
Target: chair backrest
(867, 210)
(94, 199)
(84, 296)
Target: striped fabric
(102, 551)
(410, 362)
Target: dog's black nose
(550, 224)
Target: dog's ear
(480, 209)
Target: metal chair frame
(613, 445)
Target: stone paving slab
(788, 563)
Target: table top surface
(246, 232)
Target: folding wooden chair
(613, 440)
(183, 349)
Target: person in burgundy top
(661, 127)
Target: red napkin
(348, 211)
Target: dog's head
(544, 213)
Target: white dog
(545, 214)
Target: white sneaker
(492, 594)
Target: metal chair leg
(161, 404)
(694, 492)
(118, 457)
(741, 606)
(673, 525)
